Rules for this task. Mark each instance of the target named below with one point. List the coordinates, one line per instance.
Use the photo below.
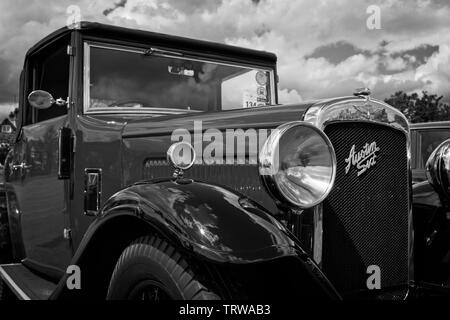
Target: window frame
(170, 53)
(4, 126)
(33, 65)
(418, 133)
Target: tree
(426, 108)
(13, 114)
(4, 149)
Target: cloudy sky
(324, 48)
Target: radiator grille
(365, 218)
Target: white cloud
(395, 64)
(5, 109)
(288, 96)
(435, 73)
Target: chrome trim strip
(362, 109)
(10, 282)
(86, 75)
(356, 109)
(429, 128)
(411, 279)
(148, 111)
(318, 233)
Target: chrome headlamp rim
(266, 165)
(170, 155)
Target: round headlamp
(297, 163)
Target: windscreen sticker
(261, 99)
(261, 78)
(249, 100)
(261, 91)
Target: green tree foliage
(424, 108)
(4, 149)
(13, 114)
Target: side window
(429, 140)
(51, 73)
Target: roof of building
(8, 121)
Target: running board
(25, 284)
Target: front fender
(208, 222)
(213, 221)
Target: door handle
(21, 166)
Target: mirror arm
(60, 102)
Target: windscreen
(122, 79)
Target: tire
(151, 269)
(5, 292)
(2, 289)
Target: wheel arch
(6, 243)
(99, 251)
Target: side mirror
(438, 169)
(41, 99)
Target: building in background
(7, 131)
(7, 135)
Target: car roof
(430, 125)
(100, 30)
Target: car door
(34, 171)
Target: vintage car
(164, 168)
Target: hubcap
(149, 290)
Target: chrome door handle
(22, 166)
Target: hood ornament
(181, 155)
(363, 93)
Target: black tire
(5, 292)
(151, 269)
(2, 289)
